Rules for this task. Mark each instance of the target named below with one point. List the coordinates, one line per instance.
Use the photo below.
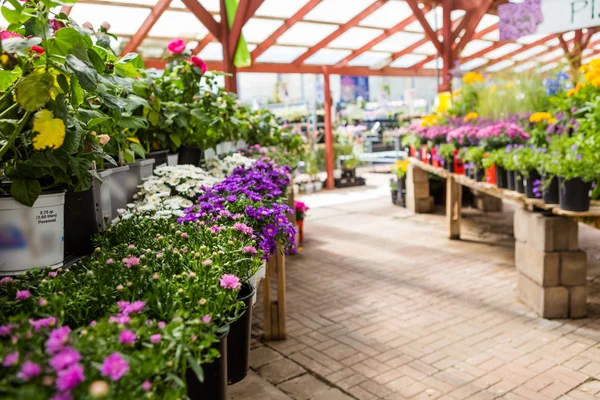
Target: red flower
(176, 46)
(8, 35)
(38, 49)
(197, 61)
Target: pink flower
(5, 329)
(38, 324)
(5, 280)
(184, 235)
(242, 228)
(57, 339)
(120, 319)
(207, 262)
(131, 261)
(114, 367)
(56, 25)
(131, 246)
(42, 302)
(8, 35)
(10, 359)
(38, 49)
(198, 63)
(176, 46)
(250, 250)
(68, 356)
(131, 308)
(109, 261)
(146, 386)
(69, 378)
(127, 337)
(206, 319)
(229, 281)
(23, 295)
(52, 274)
(162, 324)
(155, 338)
(93, 323)
(29, 370)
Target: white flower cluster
(223, 168)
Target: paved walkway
(381, 305)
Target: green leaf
(153, 118)
(64, 40)
(176, 140)
(96, 60)
(126, 70)
(133, 123)
(137, 149)
(63, 83)
(59, 159)
(25, 191)
(132, 58)
(77, 94)
(87, 76)
(7, 78)
(14, 16)
(96, 121)
(129, 156)
(195, 367)
(33, 92)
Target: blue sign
(354, 87)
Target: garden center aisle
(382, 305)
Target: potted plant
(301, 210)
(475, 155)
(446, 152)
(527, 160)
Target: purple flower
(146, 385)
(206, 319)
(62, 396)
(29, 370)
(131, 308)
(127, 337)
(5, 329)
(155, 338)
(5, 280)
(120, 319)
(131, 261)
(231, 282)
(161, 324)
(23, 295)
(10, 359)
(57, 339)
(68, 378)
(68, 356)
(250, 249)
(114, 366)
(38, 324)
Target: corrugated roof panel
(398, 41)
(327, 57)
(306, 34)
(355, 38)
(338, 11)
(281, 54)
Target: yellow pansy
(539, 116)
(471, 116)
(429, 120)
(596, 81)
(402, 165)
(510, 85)
(51, 131)
(472, 77)
(595, 63)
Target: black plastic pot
(80, 223)
(450, 166)
(529, 182)
(238, 341)
(510, 180)
(394, 196)
(501, 180)
(519, 183)
(214, 386)
(574, 194)
(479, 174)
(550, 192)
(160, 157)
(349, 173)
(190, 155)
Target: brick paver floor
(381, 305)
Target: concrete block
(423, 206)
(578, 302)
(552, 302)
(416, 175)
(573, 268)
(488, 203)
(546, 232)
(542, 268)
(421, 190)
(521, 223)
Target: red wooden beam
(428, 30)
(307, 69)
(343, 28)
(329, 154)
(228, 67)
(252, 8)
(482, 33)
(447, 54)
(386, 34)
(271, 40)
(462, 25)
(471, 26)
(204, 16)
(518, 51)
(483, 52)
(236, 29)
(147, 25)
(203, 43)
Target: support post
(329, 161)
(274, 310)
(453, 207)
(228, 67)
(447, 56)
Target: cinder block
(488, 203)
(546, 233)
(543, 268)
(552, 302)
(573, 268)
(578, 302)
(421, 190)
(521, 223)
(423, 206)
(416, 175)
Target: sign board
(546, 16)
(354, 87)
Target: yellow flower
(595, 63)
(472, 77)
(596, 81)
(552, 121)
(510, 85)
(471, 116)
(584, 68)
(402, 165)
(539, 116)
(429, 120)
(575, 90)
(51, 131)
(457, 93)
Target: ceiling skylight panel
(475, 46)
(306, 33)
(548, 67)
(258, 30)
(472, 64)
(434, 64)
(338, 11)
(368, 59)
(551, 56)
(529, 53)
(487, 21)
(178, 24)
(501, 51)
(281, 54)
(210, 5)
(123, 20)
(212, 52)
(279, 8)
(428, 48)
(530, 38)
(398, 41)
(355, 38)
(407, 61)
(525, 66)
(493, 36)
(500, 66)
(388, 15)
(433, 17)
(327, 57)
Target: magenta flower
(57, 339)
(242, 228)
(229, 281)
(146, 386)
(176, 46)
(120, 319)
(69, 378)
(67, 357)
(131, 308)
(114, 366)
(206, 319)
(109, 261)
(52, 274)
(8, 35)
(127, 337)
(29, 370)
(250, 250)
(23, 295)
(62, 396)
(155, 338)
(93, 323)
(206, 263)
(38, 324)
(5, 329)
(5, 280)
(199, 63)
(183, 235)
(161, 324)
(131, 261)
(10, 359)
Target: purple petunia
(114, 367)
(29, 370)
(66, 357)
(23, 295)
(68, 378)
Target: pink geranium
(199, 63)
(176, 46)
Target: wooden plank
(281, 296)
(147, 25)
(453, 207)
(267, 332)
(203, 16)
(429, 33)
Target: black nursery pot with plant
(529, 182)
(479, 174)
(574, 194)
(510, 180)
(520, 186)
(80, 223)
(501, 176)
(550, 192)
(160, 157)
(238, 341)
(214, 386)
(190, 155)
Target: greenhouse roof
(361, 37)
